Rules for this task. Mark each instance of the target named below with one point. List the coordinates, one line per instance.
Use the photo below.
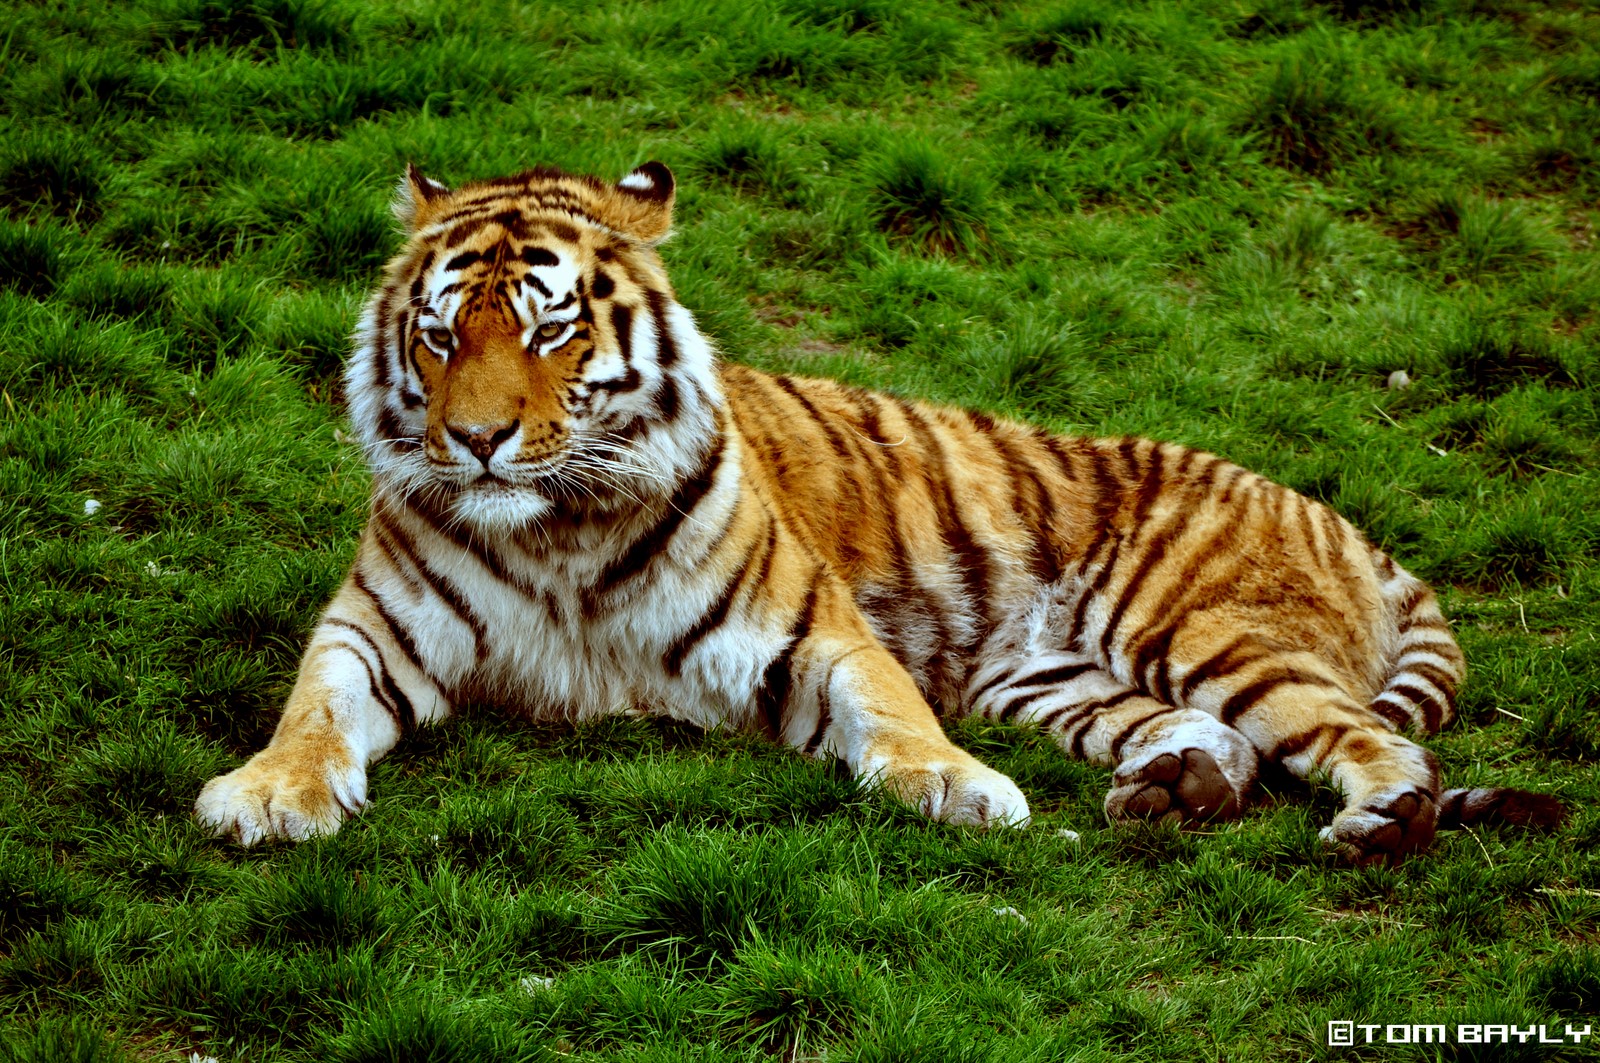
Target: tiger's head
(525, 349)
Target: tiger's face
(524, 348)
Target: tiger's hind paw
(1386, 827)
(1188, 785)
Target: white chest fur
(517, 619)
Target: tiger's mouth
(525, 476)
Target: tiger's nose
(483, 441)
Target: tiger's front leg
(836, 689)
(359, 689)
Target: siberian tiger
(577, 510)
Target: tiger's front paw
(959, 791)
(1385, 827)
(279, 795)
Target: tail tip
(1517, 808)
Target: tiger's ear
(415, 198)
(640, 204)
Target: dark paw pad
(1386, 829)
(1189, 786)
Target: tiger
(578, 509)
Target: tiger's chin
(496, 507)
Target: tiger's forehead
(506, 248)
(564, 206)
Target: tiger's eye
(440, 337)
(550, 330)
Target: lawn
(1228, 223)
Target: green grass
(1221, 222)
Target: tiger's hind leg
(1296, 711)
(1170, 762)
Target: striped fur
(578, 511)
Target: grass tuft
(1314, 110)
(257, 26)
(318, 900)
(33, 258)
(1057, 36)
(420, 1031)
(61, 175)
(54, 1039)
(921, 195)
(702, 900)
(1486, 358)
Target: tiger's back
(1139, 532)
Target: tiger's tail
(1426, 666)
(1499, 805)
(1420, 691)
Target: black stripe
(989, 684)
(1047, 683)
(1107, 503)
(397, 705)
(971, 558)
(386, 343)
(711, 619)
(1247, 697)
(667, 399)
(442, 586)
(389, 426)
(467, 544)
(378, 695)
(534, 255)
(462, 261)
(1080, 615)
(421, 275)
(628, 381)
(561, 231)
(1219, 664)
(1234, 476)
(887, 503)
(1039, 520)
(1066, 716)
(1308, 526)
(1432, 711)
(834, 440)
(1391, 712)
(622, 326)
(1155, 550)
(464, 230)
(1151, 662)
(1445, 681)
(1297, 744)
(1444, 649)
(824, 715)
(1058, 450)
(689, 494)
(666, 346)
(778, 678)
(603, 284)
(1410, 603)
(1024, 698)
(1097, 708)
(1127, 732)
(1150, 645)
(513, 223)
